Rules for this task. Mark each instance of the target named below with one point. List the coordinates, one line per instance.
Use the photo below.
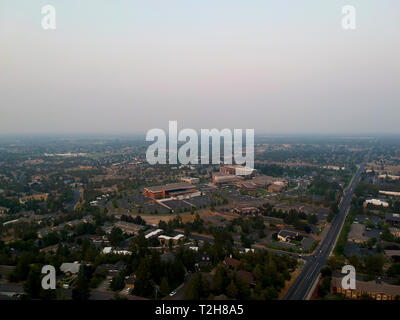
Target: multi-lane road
(301, 287)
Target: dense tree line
(269, 271)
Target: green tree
(32, 284)
(117, 283)
(231, 290)
(336, 263)
(164, 287)
(374, 264)
(394, 269)
(371, 242)
(325, 287)
(139, 245)
(143, 285)
(21, 271)
(198, 288)
(116, 236)
(220, 279)
(326, 271)
(81, 289)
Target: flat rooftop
(171, 187)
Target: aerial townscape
(190, 159)
(115, 227)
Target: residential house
(165, 240)
(4, 210)
(231, 263)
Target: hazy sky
(281, 66)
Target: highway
(301, 287)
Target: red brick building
(169, 190)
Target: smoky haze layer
(129, 66)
